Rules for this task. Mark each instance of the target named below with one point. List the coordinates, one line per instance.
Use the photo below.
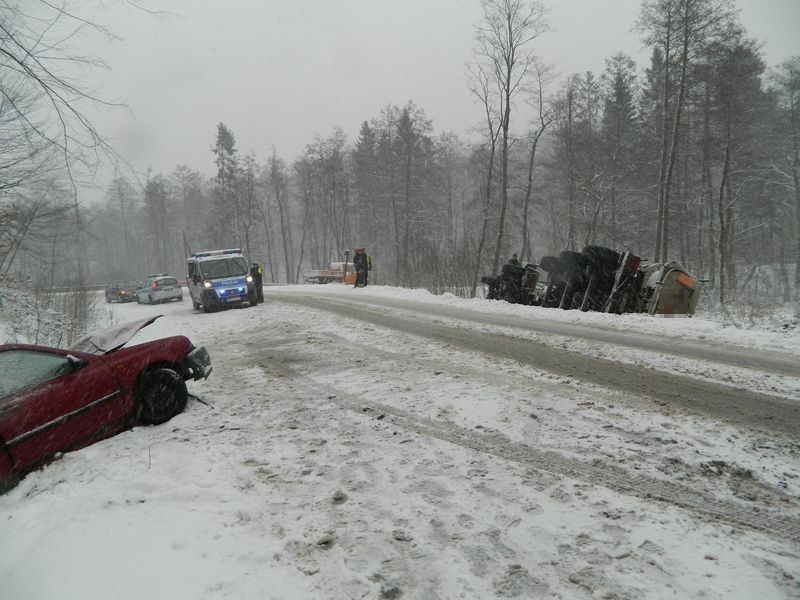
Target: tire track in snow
(739, 406)
(749, 358)
(774, 523)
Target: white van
(220, 278)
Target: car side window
(22, 369)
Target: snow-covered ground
(328, 457)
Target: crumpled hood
(113, 338)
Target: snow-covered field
(328, 457)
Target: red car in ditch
(56, 400)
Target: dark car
(56, 400)
(122, 291)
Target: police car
(220, 278)
(159, 287)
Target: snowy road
(738, 405)
(385, 443)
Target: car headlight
(249, 279)
(207, 284)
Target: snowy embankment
(331, 458)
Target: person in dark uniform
(362, 264)
(257, 273)
(513, 260)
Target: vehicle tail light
(633, 262)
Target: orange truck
(337, 272)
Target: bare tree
(247, 200)
(545, 115)
(49, 105)
(279, 182)
(681, 28)
(505, 35)
(479, 85)
(788, 80)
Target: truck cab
(220, 278)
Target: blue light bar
(216, 252)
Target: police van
(220, 278)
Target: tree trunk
(707, 189)
(673, 153)
(796, 181)
(504, 181)
(664, 141)
(723, 229)
(526, 250)
(485, 225)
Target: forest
(693, 157)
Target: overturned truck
(598, 279)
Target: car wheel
(253, 299)
(160, 395)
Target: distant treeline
(693, 157)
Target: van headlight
(206, 284)
(249, 279)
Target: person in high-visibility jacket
(257, 273)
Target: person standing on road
(257, 273)
(362, 264)
(358, 265)
(367, 265)
(514, 260)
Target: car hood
(113, 338)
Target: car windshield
(224, 267)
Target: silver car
(161, 288)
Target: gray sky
(279, 72)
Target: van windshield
(224, 267)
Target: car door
(52, 401)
